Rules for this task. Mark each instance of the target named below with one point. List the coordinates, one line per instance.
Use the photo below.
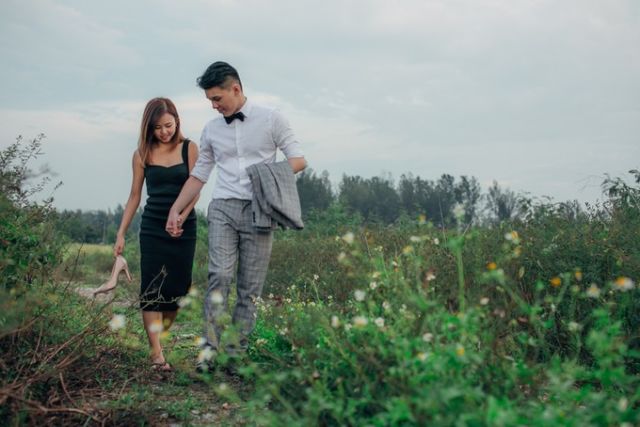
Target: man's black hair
(218, 74)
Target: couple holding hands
(245, 136)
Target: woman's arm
(132, 203)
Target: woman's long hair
(155, 109)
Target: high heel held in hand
(119, 265)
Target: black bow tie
(238, 115)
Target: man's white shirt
(235, 146)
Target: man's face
(225, 101)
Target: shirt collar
(247, 108)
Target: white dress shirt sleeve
(284, 137)
(206, 161)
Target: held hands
(174, 224)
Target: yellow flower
(422, 356)
(492, 266)
(578, 275)
(555, 281)
(623, 284)
(512, 237)
(422, 219)
(460, 350)
(407, 250)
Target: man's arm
(189, 191)
(287, 142)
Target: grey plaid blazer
(275, 196)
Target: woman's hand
(174, 225)
(119, 246)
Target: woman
(164, 158)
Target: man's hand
(174, 224)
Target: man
(246, 134)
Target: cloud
(541, 94)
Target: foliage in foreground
(393, 353)
(531, 322)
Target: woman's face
(165, 128)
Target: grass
(380, 327)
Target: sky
(541, 96)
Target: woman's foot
(161, 366)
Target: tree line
(445, 202)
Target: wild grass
(530, 322)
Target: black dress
(165, 262)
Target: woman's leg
(152, 321)
(168, 317)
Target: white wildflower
(484, 301)
(436, 241)
(427, 337)
(156, 327)
(623, 404)
(373, 285)
(593, 291)
(205, 354)
(359, 295)
(422, 356)
(335, 322)
(415, 239)
(348, 237)
(458, 211)
(184, 301)
(360, 321)
(386, 306)
(117, 322)
(379, 322)
(216, 297)
(574, 326)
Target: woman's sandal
(161, 367)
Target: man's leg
(223, 254)
(254, 255)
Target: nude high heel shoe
(119, 265)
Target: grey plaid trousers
(236, 250)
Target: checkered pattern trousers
(236, 250)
